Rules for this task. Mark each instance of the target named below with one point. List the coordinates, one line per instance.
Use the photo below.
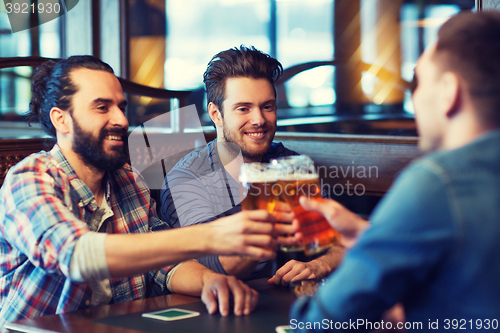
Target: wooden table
(272, 311)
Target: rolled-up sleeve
(38, 219)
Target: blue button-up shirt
(433, 246)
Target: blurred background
(348, 63)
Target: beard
(92, 152)
(248, 152)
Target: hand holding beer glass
(260, 190)
(299, 178)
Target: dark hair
(469, 44)
(52, 87)
(238, 62)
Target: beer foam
(258, 174)
(299, 176)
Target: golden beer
(259, 185)
(298, 179)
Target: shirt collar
(81, 192)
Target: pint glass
(259, 182)
(258, 185)
(299, 178)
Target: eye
(414, 83)
(269, 108)
(102, 107)
(242, 109)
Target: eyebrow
(249, 104)
(97, 101)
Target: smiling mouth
(114, 137)
(255, 134)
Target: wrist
(206, 276)
(204, 238)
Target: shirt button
(87, 302)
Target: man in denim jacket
(433, 242)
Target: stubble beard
(246, 152)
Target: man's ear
(60, 119)
(450, 94)
(215, 115)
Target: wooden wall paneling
(368, 164)
(13, 151)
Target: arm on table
(314, 269)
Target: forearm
(130, 254)
(188, 279)
(238, 266)
(325, 264)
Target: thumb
(313, 205)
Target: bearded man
(76, 222)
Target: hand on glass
(286, 227)
(349, 225)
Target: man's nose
(257, 117)
(118, 117)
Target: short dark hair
(238, 62)
(52, 87)
(469, 44)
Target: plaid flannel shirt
(44, 210)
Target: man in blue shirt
(203, 186)
(432, 244)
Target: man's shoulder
(40, 162)
(480, 156)
(276, 150)
(196, 161)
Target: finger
(289, 240)
(249, 295)
(271, 280)
(259, 253)
(257, 228)
(295, 271)
(277, 279)
(282, 207)
(238, 296)
(283, 217)
(283, 228)
(254, 300)
(208, 298)
(263, 241)
(305, 274)
(223, 297)
(320, 206)
(259, 215)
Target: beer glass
(298, 178)
(259, 183)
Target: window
(332, 80)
